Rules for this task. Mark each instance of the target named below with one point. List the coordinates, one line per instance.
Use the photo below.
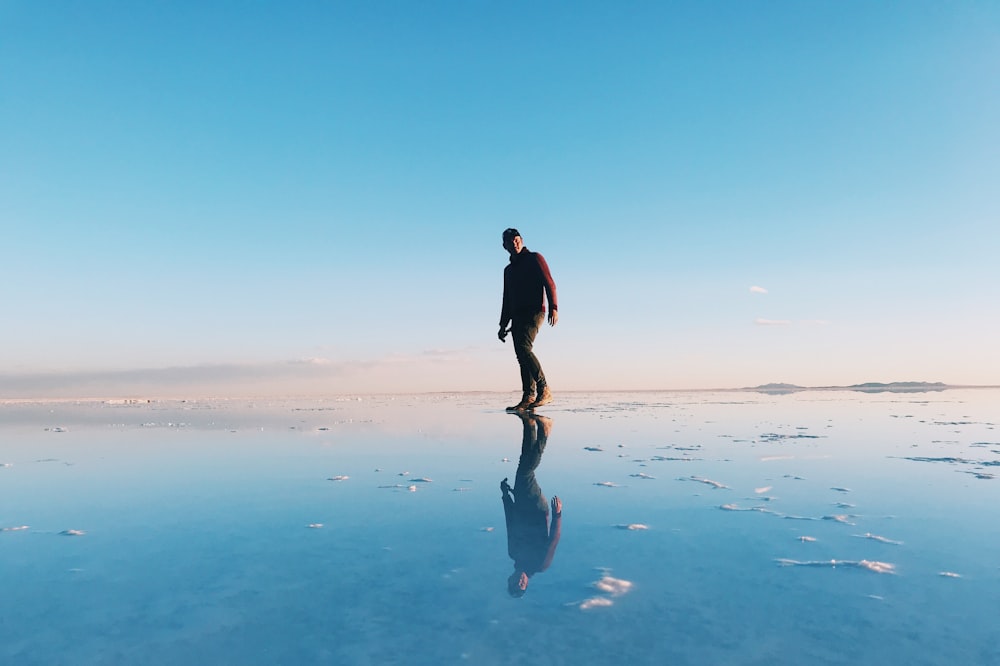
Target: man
(531, 536)
(527, 284)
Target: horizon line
(868, 387)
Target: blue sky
(257, 197)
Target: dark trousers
(523, 331)
(527, 494)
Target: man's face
(513, 245)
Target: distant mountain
(777, 388)
(868, 387)
(899, 387)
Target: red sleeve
(555, 532)
(550, 284)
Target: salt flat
(735, 528)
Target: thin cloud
(315, 360)
(97, 382)
(760, 321)
(757, 290)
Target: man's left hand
(553, 317)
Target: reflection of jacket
(526, 280)
(530, 542)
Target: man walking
(527, 284)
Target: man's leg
(527, 493)
(523, 332)
(543, 394)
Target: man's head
(512, 241)
(517, 584)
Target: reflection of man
(531, 541)
(527, 284)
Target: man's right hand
(502, 334)
(504, 487)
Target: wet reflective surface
(738, 528)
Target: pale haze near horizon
(308, 199)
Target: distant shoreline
(768, 389)
(866, 387)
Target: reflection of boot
(545, 424)
(544, 398)
(526, 401)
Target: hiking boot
(544, 398)
(526, 401)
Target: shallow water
(718, 528)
